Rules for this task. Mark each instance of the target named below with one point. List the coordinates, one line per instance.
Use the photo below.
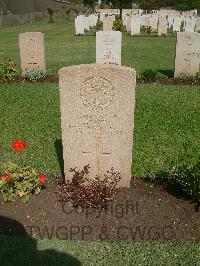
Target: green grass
(26, 251)
(63, 48)
(166, 117)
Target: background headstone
(190, 23)
(107, 23)
(177, 24)
(197, 27)
(187, 60)
(97, 118)
(162, 26)
(32, 51)
(135, 25)
(80, 25)
(108, 47)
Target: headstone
(86, 24)
(97, 106)
(108, 47)
(177, 24)
(32, 51)
(80, 25)
(187, 54)
(146, 20)
(128, 23)
(197, 28)
(107, 23)
(170, 21)
(154, 23)
(190, 23)
(135, 25)
(162, 26)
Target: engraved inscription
(97, 93)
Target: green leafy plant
(86, 192)
(183, 171)
(8, 70)
(146, 29)
(148, 75)
(20, 182)
(50, 12)
(118, 24)
(34, 74)
(99, 25)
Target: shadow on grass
(18, 248)
(168, 73)
(59, 151)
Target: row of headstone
(83, 23)
(108, 50)
(160, 24)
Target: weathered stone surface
(135, 25)
(187, 54)
(177, 24)
(154, 22)
(97, 117)
(107, 23)
(32, 51)
(80, 25)
(190, 23)
(170, 21)
(197, 27)
(128, 23)
(162, 26)
(108, 47)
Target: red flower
(18, 145)
(42, 178)
(6, 177)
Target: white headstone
(87, 24)
(135, 25)
(197, 28)
(154, 22)
(190, 23)
(162, 26)
(108, 47)
(177, 24)
(79, 25)
(187, 54)
(170, 21)
(107, 23)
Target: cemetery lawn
(24, 251)
(166, 118)
(63, 48)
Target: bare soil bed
(142, 212)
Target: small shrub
(183, 171)
(20, 182)
(99, 25)
(34, 74)
(8, 70)
(118, 24)
(50, 12)
(148, 30)
(148, 75)
(86, 192)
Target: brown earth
(142, 212)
